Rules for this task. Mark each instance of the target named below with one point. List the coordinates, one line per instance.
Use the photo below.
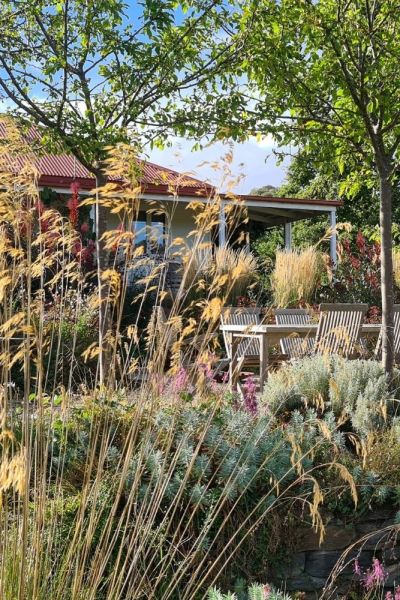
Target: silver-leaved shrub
(356, 390)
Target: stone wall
(310, 567)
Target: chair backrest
(294, 346)
(232, 315)
(378, 351)
(339, 328)
(292, 316)
(396, 329)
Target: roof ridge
(175, 172)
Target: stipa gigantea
(121, 487)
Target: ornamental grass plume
(296, 276)
(396, 266)
(239, 267)
(234, 271)
(111, 488)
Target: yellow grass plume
(296, 276)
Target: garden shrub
(297, 384)
(194, 459)
(301, 383)
(350, 378)
(384, 456)
(73, 330)
(254, 592)
(374, 488)
(357, 274)
(356, 389)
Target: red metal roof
(60, 170)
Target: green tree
(307, 178)
(99, 72)
(265, 190)
(324, 75)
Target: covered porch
(283, 212)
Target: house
(174, 191)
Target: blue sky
(253, 163)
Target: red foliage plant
(73, 204)
(357, 276)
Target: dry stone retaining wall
(310, 567)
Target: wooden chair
(248, 350)
(245, 352)
(294, 346)
(378, 349)
(339, 329)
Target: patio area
(339, 330)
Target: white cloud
(253, 163)
(266, 141)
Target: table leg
(234, 364)
(263, 360)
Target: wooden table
(269, 335)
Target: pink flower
(250, 395)
(180, 381)
(369, 581)
(375, 576)
(379, 572)
(397, 593)
(266, 590)
(389, 595)
(85, 228)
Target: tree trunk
(102, 264)
(385, 218)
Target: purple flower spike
(250, 395)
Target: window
(139, 229)
(149, 232)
